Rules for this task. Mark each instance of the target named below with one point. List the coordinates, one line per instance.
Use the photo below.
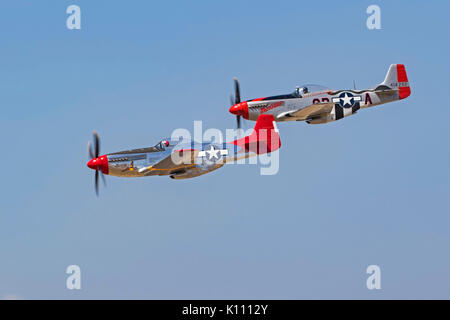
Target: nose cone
(92, 163)
(100, 163)
(240, 109)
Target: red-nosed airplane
(317, 104)
(183, 159)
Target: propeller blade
(96, 182)
(90, 152)
(94, 152)
(237, 91)
(238, 121)
(96, 144)
(103, 178)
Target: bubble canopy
(308, 89)
(314, 88)
(298, 92)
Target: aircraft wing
(182, 164)
(183, 157)
(307, 113)
(176, 161)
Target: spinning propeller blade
(236, 100)
(93, 154)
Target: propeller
(93, 154)
(236, 99)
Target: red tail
(264, 138)
(404, 89)
(396, 78)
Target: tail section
(264, 138)
(396, 78)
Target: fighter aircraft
(317, 104)
(183, 159)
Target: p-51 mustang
(183, 159)
(316, 104)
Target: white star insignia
(346, 100)
(212, 153)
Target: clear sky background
(369, 189)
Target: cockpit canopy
(309, 88)
(299, 92)
(165, 143)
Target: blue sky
(369, 189)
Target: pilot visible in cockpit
(301, 91)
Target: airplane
(317, 104)
(180, 159)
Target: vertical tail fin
(396, 78)
(264, 138)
